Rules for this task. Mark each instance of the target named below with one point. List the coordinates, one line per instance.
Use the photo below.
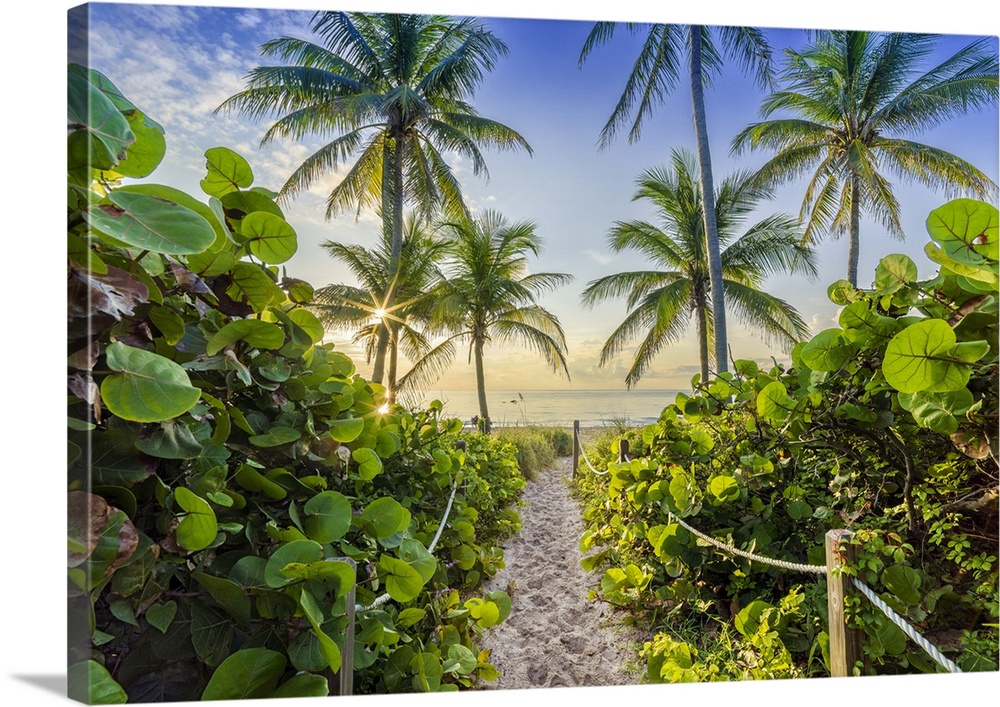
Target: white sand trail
(554, 636)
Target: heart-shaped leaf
(146, 387)
(270, 238)
(198, 527)
(258, 334)
(402, 582)
(227, 172)
(369, 463)
(413, 553)
(924, 356)
(297, 551)
(161, 615)
(328, 517)
(247, 674)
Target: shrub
(231, 478)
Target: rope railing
(911, 632)
(383, 598)
(845, 643)
(583, 453)
(793, 566)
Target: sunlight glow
(384, 409)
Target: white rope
(794, 566)
(583, 453)
(383, 598)
(907, 629)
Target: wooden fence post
(576, 446)
(622, 450)
(845, 643)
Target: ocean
(593, 408)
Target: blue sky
(180, 63)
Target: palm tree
(852, 96)
(392, 90)
(655, 73)
(663, 300)
(488, 295)
(363, 308)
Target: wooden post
(576, 446)
(845, 643)
(345, 676)
(622, 450)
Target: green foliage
(231, 478)
(884, 424)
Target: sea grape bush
(231, 476)
(884, 424)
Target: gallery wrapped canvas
(414, 352)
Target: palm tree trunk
(708, 199)
(854, 249)
(393, 156)
(484, 413)
(393, 364)
(702, 315)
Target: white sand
(554, 636)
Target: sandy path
(554, 636)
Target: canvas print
(425, 352)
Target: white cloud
(599, 258)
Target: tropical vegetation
(250, 516)
(487, 294)
(233, 486)
(363, 309)
(662, 301)
(849, 104)
(656, 71)
(393, 90)
(884, 425)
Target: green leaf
(346, 429)
(383, 517)
(91, 683)
(147, 387)
(369, 463)
(329, 649)
(502, 600)
(773, 402)
(938, 411)
(402, 582)
(270, 238)
(252, 480)
(904, 582)
(172, 440)
(967, 230)
(828, 351)
(161, 615)
(230, 595)
(258, 334)
(747, 621)
(169, 323)
(328, 517)
(247, 674)
(798, 510)
(145, 154)
(303, 685)
(227, 171)
(413, 553)
(409, 617)
(464, 658)
(275, 437)
(297, 551)
(923, 356)
(151, 223)
(894, 272)
(427, 672)
(252, 284)
(198, 527)
(105, 134)
(724, 488)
